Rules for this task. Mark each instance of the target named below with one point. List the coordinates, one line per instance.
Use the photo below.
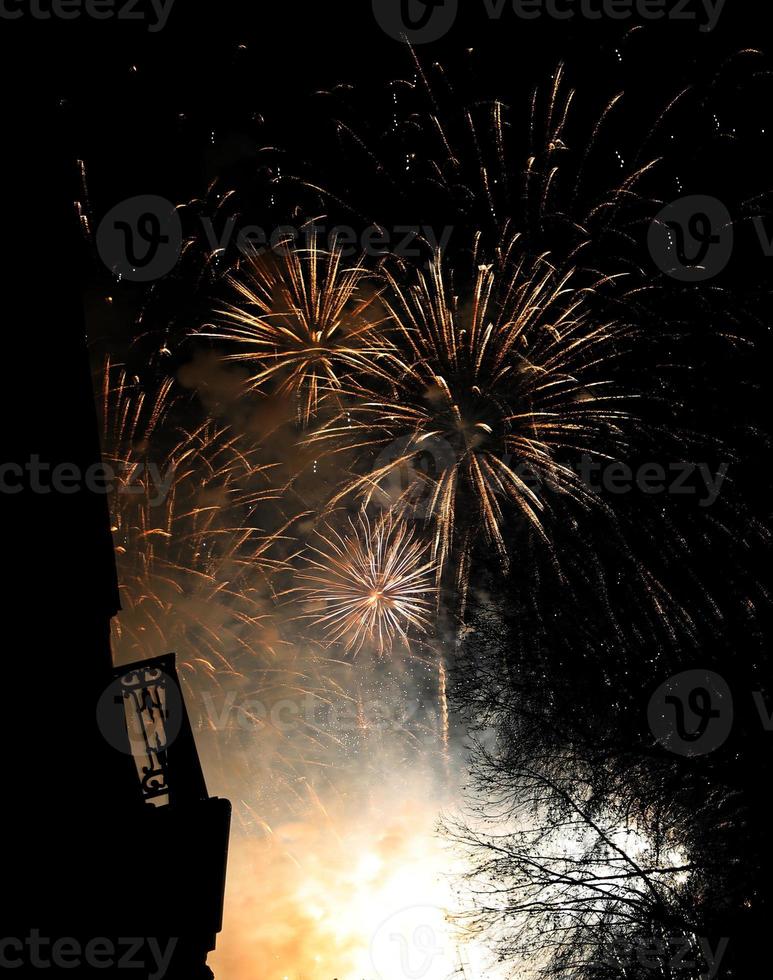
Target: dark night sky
(143, 105)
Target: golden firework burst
(504, 390)
(304, 319)
(375, 581)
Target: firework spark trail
(444, 715)
(129, 418)
(303, 320)
(375, 581)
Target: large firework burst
(302, 320)
(504, 391)
(375, 581)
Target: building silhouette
(111, 866)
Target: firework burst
(303, 320)
(444, 148)
(185, 563)
(375, 581)
(504, 392)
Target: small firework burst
(303, 320)
(375, 581)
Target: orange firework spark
(303, 319)
(375, 581)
